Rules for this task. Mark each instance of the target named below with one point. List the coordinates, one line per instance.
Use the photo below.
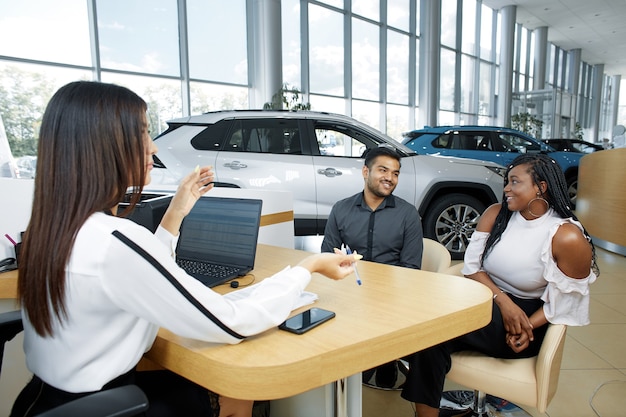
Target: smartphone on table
(305, 321)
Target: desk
(396, 311)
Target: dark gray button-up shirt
(392, 234)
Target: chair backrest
(125, 401)
(492, 375)
(435, 257)
(548, 366)
(455, 269)
(10, 325)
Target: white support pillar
(507, 48)
(541, 54)
(596, 101)
(430, 62)
(266, 68)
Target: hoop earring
(540, 199)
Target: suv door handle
(329, 172)
(235, 165)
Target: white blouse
(521, 263)
(122, 286)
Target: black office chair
(125, 401)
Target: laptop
(218, 239)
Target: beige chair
(435, 257)
(529, 381)
(454, 269)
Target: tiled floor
(593, 371)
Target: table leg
(341, 398)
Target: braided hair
(541, 167)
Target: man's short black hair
(373, 153)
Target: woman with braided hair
(538, 260)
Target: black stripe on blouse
(145, 255)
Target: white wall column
(541, 53)
(596, 101)
(507, 48)
(429, 79)
(615, 87)
(266, 66)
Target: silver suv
(317, 156)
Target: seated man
(380, 226)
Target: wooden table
(397, 311)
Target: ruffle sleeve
(566, 299)
(474, 252)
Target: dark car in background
(573, 145)
(490, 143)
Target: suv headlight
(497, 169)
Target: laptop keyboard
(207, 269)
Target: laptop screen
(221, 230)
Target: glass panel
(162, 95)
(217, 40)
(522, 51)
(326, 51)
(290, 12)
(484, 90)
(514, 143)
(144, 38)
(448, 23)
(334, 142)
(417, 73)
(446, 88)
(397, 67)
(25, 90)
(367, 112)
(446, 118)
(550, 66)
(498, 35)
(467, 84)
(365, 60)
(531, 53)
(398, 14)
(522, 83)
(264, 136)
(486, 35)
(328, 104)
(468, 41)
(56, 31)
(336, 3)
(367, 8)
(207, 97)
(397, 121)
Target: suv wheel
(572, 190)
(451, 220)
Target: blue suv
(489, 143)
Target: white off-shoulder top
(521, 263)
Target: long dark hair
(90, 152)
(541, 167)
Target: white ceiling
(597, 27)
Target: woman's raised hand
(190, 189)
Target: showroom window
(216, 32)
(142, 39)
(43, 30)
